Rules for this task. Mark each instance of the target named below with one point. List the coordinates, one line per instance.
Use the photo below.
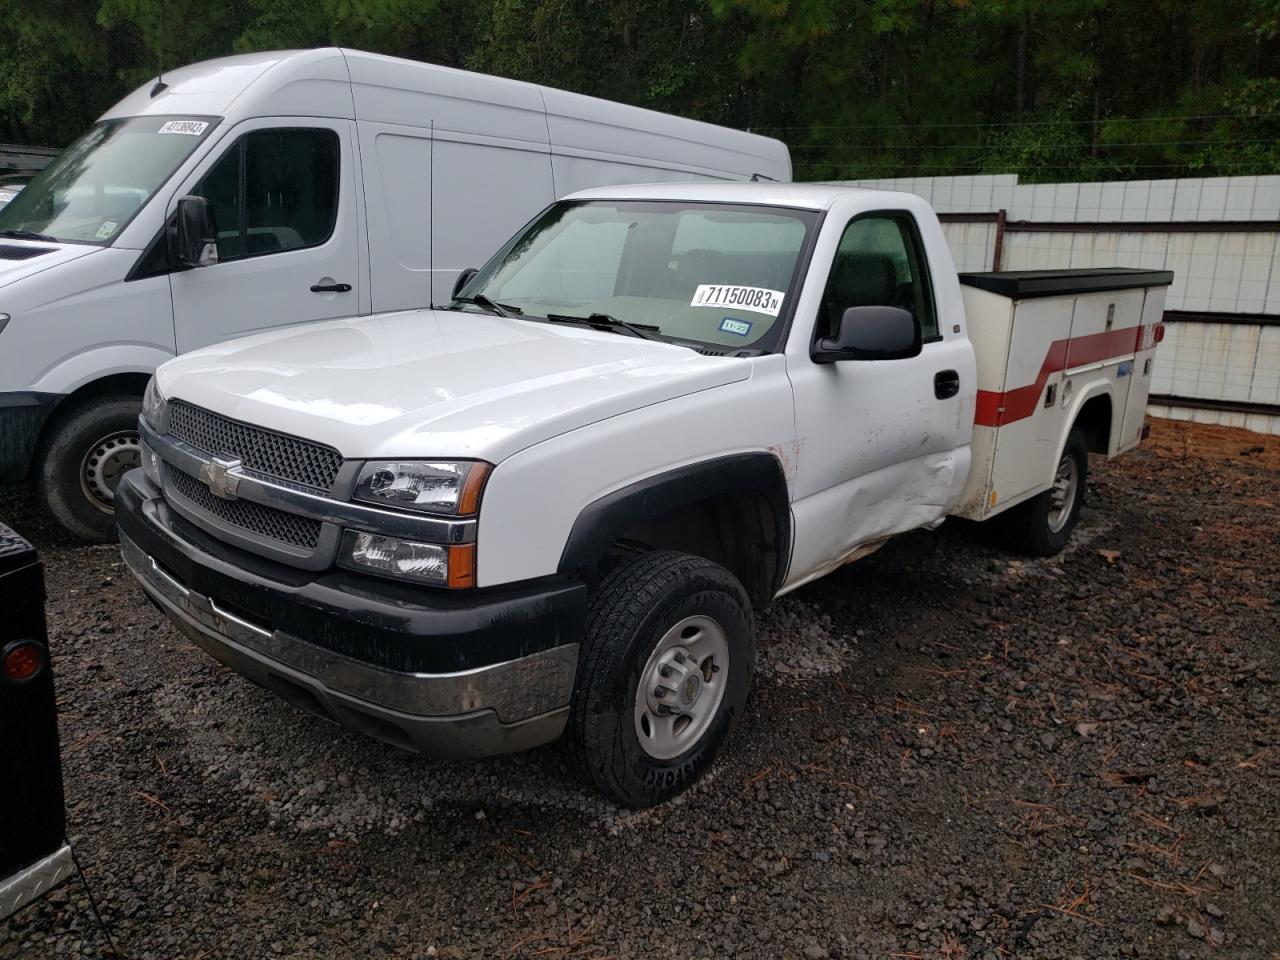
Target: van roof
(354, 84)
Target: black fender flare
(603, 521)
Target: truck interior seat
(859, 280)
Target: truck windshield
(97, 185)
(719, 274)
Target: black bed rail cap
(1021, 284)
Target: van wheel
(87, 452)
(663, 675)
(1042, 526)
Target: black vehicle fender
(602, 522)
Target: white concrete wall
(1233, 272)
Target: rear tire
(1042, 526)
(663, 675)
(87, 451)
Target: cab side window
(880, 262)
(272, 191)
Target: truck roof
(807, 196)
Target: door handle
(331, 288)
(946, 383)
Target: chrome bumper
(502, 708)
(35, 881)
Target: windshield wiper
(501, 309)
(602, 321)
(28, 235)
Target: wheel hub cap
(104, 465)
(681, 687)
(1062, 495)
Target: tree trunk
(1020, 90)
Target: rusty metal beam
(1116, 226)
(1209, 403)
(1223, 317)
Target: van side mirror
(871, 333)
(195, 237)
(463, 279)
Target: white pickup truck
(558, 502)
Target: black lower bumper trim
(391, 625)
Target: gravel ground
(949, 753)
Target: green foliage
(1049, 89)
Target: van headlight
(154, 406)
(452, 566)
(448, 487)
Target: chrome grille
(254, 517)
(262, 451)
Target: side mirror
(870, 333)
(464, 278)
(195, 237)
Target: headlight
(154, 405)
(445, 566)
(444, 487)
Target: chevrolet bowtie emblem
(219, 478)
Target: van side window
(880, 262)
(273, 190)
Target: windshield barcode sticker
(758, 299)
(192, 128)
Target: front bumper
(22, 414)
(452, 675)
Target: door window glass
(879, 263)
(274, 190)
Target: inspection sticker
(106, 230)
(757, 299)
(192, 128)
(735, 326)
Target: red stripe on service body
(995, 409)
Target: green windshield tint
(713, 273)
(97, 185)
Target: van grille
(254, 517)
(262, 451)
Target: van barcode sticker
(758, 299)
(192, 128)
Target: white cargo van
(272, 189)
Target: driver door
(284, 205)
(882, 438)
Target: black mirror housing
(871, 333)
(464, 278)
(195, 239)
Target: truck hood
(427, 383)
(23, 258)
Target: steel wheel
(1062, 495)
(681, 687)
(104, 465)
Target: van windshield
(712, 273)
(96, 186)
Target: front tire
(87, 451)
(1042, 526)
(663, 675)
